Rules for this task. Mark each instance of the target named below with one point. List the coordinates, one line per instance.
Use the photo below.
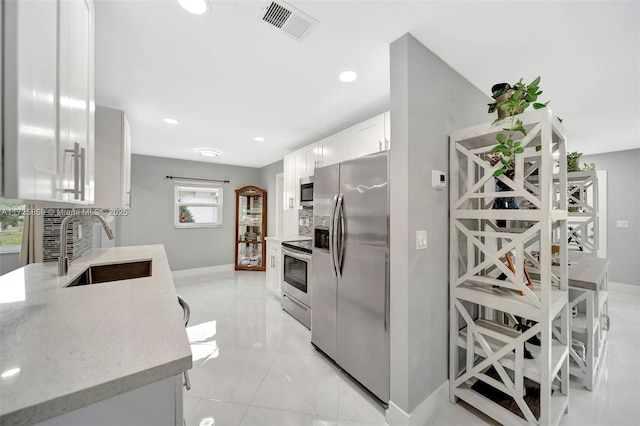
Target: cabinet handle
(290, 202)
(82, 172)
(129, 199)
(386, 143)
(75, 152)
(379, 145)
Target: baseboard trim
(184, 273)
(624, 288)
(426, 410)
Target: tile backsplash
(305, 222)
(77, 244)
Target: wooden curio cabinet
(251, 228)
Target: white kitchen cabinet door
(294, 169)
(289, 176)
(312, 157)
(113, 159)
(76, 100)
(387, 130)
(367, 137)
(274, 272)
(29, 115)
(333, 149)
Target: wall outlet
(421, 240)
(306, 222)
(622, 224)
(301, 222)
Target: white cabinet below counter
(113, 159)
(274, 266)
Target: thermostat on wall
(438, 179)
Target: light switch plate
(622, 224)
(421, 240)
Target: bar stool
(186, 313)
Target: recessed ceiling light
(258, 139)
(208, 152)
(170, 121)
(347, 76)
(197, 7)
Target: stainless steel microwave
(306, 192)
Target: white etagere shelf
(487, 297)
(582, 190)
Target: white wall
(9, 262)
(428, 100)
(623, 203)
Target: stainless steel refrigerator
(350, 302)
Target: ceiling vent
(288, 19)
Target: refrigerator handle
(332, 237)
(339, 216)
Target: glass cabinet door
(251, 218)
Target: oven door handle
(299, 256)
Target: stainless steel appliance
(350, 303)
(296, 278)
(306, 191)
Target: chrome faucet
(63, 260)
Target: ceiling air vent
(288, 19)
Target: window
(197, 205)
(11, 225)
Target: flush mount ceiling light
(208, 152)
(258, 139)
(197, 7)
(347, 76)
(170, 121)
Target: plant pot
(502, 113)
(573, 164)
(502, 203)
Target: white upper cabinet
(387, 130)
(48, 78)
(331, 150)
(293, 168)
(76, 100)
(113, 159)
(312, 159)
(367, 137)
(29, 73)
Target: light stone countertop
(79, 345)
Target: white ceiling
(227, 77)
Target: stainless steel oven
(296, 280)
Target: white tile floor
(254, 365)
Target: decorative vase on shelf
(502, 203)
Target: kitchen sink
(112, 272)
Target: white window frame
(196, 185)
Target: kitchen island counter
(63, 348)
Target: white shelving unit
(582, 190)
(484, 307)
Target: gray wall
(623, 194)
(150, 220)
(268, 179)
(9, 262)
(429, 99)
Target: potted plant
(573, 161)
(511, 100)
